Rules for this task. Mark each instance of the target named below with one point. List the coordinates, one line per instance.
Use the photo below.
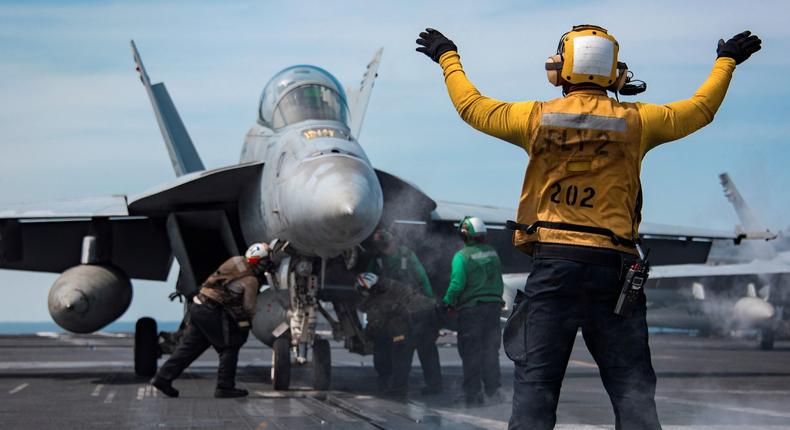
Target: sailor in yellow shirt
(579, 211)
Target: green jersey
(476, 276)
(402, 266)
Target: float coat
(585, 150)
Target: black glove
(434, 44)
(441, 308)
(740, 47)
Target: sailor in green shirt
(398, 262)
(392, 357)
(476, 292)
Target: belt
(532, 228)
(581, 254)
(202, 299)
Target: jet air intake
(87, 297)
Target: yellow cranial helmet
(587, 54)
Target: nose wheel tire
(146, 347)
(322, 364)
(767, 339)
(281, 364)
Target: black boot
(226, 393)
(164, 386)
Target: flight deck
(61, 381)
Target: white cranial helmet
(256, 252)
(366, 281)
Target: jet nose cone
(335, 202)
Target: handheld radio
(633, 286)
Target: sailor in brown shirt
(220, 317)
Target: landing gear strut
(146, 347)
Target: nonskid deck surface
(61, 382)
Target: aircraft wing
(757, 267)
(493, 216)
(134, 232)
(498, 216)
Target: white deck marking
(140, 393)
(583, 363)
(486, 423)
(109, 397)
(18, 389)
(270, 394)
(49, 334)
(731, 408)
(29, 365)
(97, 390)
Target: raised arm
(665, 123)
(506, 121)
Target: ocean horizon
(32, 327)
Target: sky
(75, 121)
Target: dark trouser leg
(550, 329)
(382, 361)
(470, 350)
(620, 347)
(402, 357)
(490, 343)
(428, 353)
(229, 358)
(192, 345)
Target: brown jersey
(235, 286)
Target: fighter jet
(304, 182)
(740, 288)
(302, 179)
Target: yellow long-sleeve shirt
(585, 149)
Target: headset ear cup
(553, 74)
(622, 76)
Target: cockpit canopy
(301, 93)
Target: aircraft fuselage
(318, 189)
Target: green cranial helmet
(472, 227)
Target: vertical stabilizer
(358, 99)
(745, 215)
(751, 227)
(183, 155)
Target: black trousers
(478, 345)
(561, 297)
(382, 361)
(208, 326)
(392, 360)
